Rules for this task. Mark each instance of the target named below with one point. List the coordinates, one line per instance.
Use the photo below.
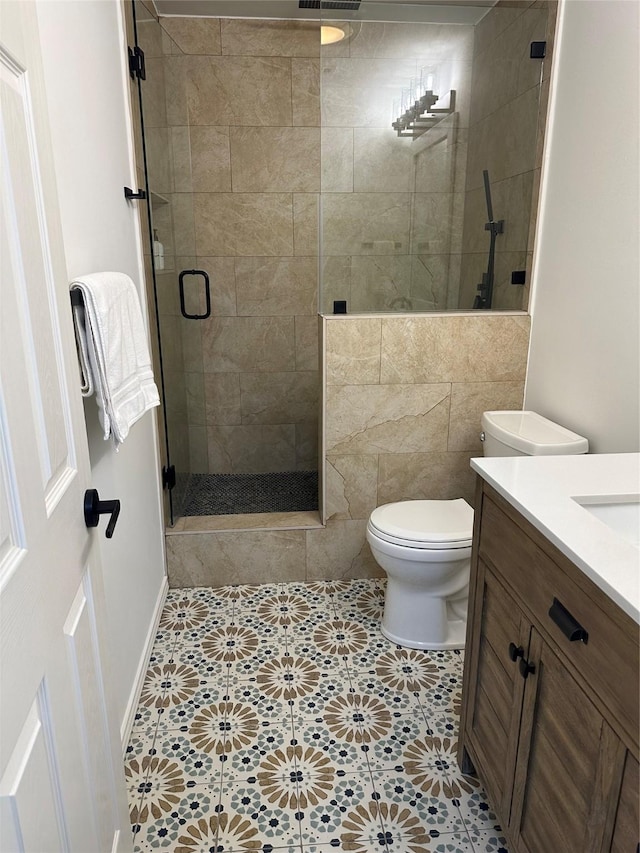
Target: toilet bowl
(424, 546)
(425, 549)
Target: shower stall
(287, 177)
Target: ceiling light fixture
(331, 35)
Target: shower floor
(277, 717)
(233, 494)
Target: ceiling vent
(334, 5)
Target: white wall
(584, 359)
(82, 44)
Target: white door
(61, 778)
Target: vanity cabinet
(550, 693)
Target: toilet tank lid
(426, 521)
(532, 434)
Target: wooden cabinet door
(568, 763)
(493, 689)
(626, 830)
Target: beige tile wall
(507, 122)
(242, 110)
(404, 397)
(392, 207)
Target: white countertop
(543, 489)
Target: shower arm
(485, 288)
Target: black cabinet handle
(207, 295)
(94, 508)
(569, 626)
(515, 652)
(526, 668)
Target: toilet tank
(527, 434)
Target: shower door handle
(207, 295)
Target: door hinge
(538, 49)
(136, 63)
(169, 477)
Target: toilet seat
(430, 525)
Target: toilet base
(454, 639)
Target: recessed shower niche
(285, 176)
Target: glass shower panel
(391, 208)
(237, 299)
(416, 103)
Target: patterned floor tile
(246, 756)
(140, 743)
(408, 670)
(311, 629)
(134, 801)
(170, 684)
(318, 594)
(268, 804)
(145, 720)
(179, 716)
(396, 701)
(442, 843)
(442, 725)
(449, 659)
(366, 660)
(282, 687)
(239, 649)
(324, 661)
(488, 842)
(466, 793)
(277, 717)
(198, 755)
(188, 613)
(166, 813)
(351, 590)
(195, 656)
(247, 597)
(406, 740)
(164, 640)
(343, 754)
(441, 700)
(329, 801)
(263, 702)
(406, 806)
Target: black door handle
(207, 295)
(94, 508)
(515, 652)
(526, 668)
(569, 626)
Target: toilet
(424, 546)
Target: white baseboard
(134, 698)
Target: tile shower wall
(392, 207)
(403, 401)
(243, 136)
(509, 96)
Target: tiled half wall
(402, 400)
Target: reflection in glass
(403, 210)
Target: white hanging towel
(112, 350)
